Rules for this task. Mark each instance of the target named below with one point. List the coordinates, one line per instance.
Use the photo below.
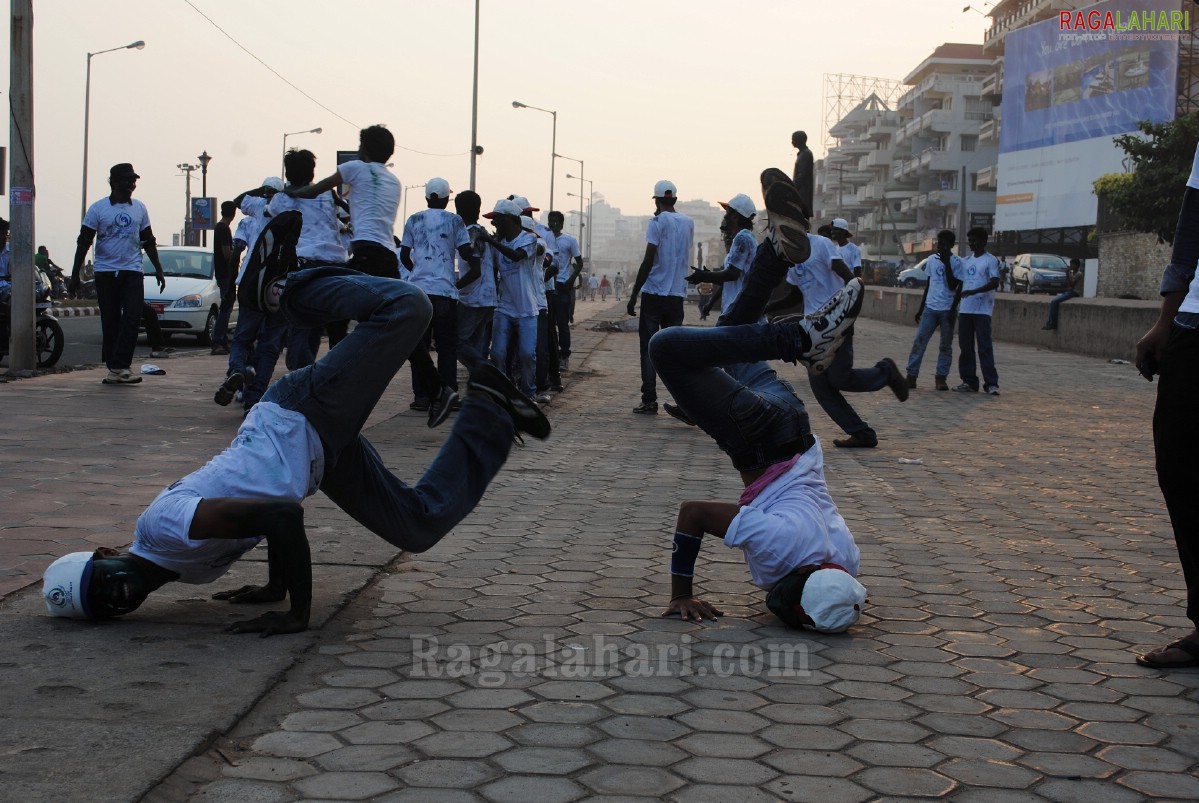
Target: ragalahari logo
(1120, 21)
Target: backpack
(272, 257)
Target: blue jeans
(474, 334)
(1058, 300)
(120, 297)
(841, 375)
(524, 332)
(338, 392)
(257, 342)
(972, 329)
(930, 321)
(657, 313)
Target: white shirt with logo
(276, 456)
(320, 236)
(793, 522)
(567, 248)
(976, 272)
(434, 235)
(374, 198)
(673, 234)
(940, 296)
(815, 277)
(118, 230)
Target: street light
(568, 175)
(283, 170)
(204, 160)
(404, 213)
(590, 207)
(187, 212)
(516, 104)
(87, 99)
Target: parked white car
(192, 298)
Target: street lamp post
(568, 175)
(590, 207)
(404, 212)
(516, 104)
(282, 170)
(204, 160)
(87, 100)
(187, 169)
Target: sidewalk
(1013, 574)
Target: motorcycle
(48, 335)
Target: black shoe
(895, 380)
(419, 404)
(233, 383)
(439, 408)
(787, 229)
(527, 417)
(676, 412)
(219, 350)
(646, 408)
(856, 441)
(270, 260)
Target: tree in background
(1161, 156)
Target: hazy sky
(701, 92)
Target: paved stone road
(1013, 574)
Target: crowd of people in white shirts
(495, 296)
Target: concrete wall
(1097, 327)
(1131, 264)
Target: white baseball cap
(842, 224)
(523, 203)
(65, 585)
(437, 188)
(505, 207)
(274, 182)
(527, 223)
(832, 599)
(665, 189)
(741, 204)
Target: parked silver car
(1039, 273)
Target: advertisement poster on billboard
(202, 217)
(1071, 84)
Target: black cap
(122, 170)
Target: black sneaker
(676, 412)
(826, 327)
(526, 415)
(273, 256)
(439, 408)
(646, 408)
(233, 383)
(419, 404)
(895, 380)
(787, 229)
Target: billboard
(203, 213)
(1071, 84)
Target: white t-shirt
(481, 292)
(673, 233)
(976, 272)
(851, 255)
(276, 455)
(519, 283)
(567, 248)
(247, 232)
(320, 236)
(374, 198)
(793, 522)
(741, 257)
(434, 235)
(118, 230)
(815, 277)
(940, 297)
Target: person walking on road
(120, 227)
(225, 272)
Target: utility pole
(21, 355)
(188, 234)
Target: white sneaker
(122, 377)
(826, 327)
